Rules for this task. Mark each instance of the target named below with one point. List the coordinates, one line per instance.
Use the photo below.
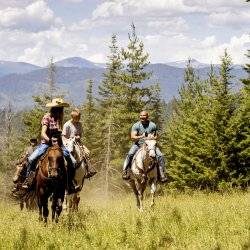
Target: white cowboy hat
(57, 102)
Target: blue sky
(35, 30)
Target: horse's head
(55, 161)
(150, 146)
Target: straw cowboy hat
(57, 102)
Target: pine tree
(156, 106)
(109, 115)
(222, 109)
(134, 95)
(239, 136)
(89, 120)
(51, 79)
(187, 150)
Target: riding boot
(19, 169)
(126, 165)
(89, 173)
(162, 176)
(71, 186)
(29, 180)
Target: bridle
(48, 165)
(146, 156)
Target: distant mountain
(183, 63)
(77, 62)
(196, 64)
(7, 67)
(19, 88)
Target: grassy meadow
(178, 221)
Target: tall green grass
(180, 221)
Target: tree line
(204, 131)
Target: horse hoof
(140, 210)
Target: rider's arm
(136, 137)
(65, 131)
(43, 133)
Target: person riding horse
(51, 125)
(72, 131)
(21, 164)
(139, 130)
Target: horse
(51, 180)
(72, 200)
(144, 171)
(26, 199)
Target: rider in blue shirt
(140, 130)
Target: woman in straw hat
(51, 125)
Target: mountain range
(19, 81)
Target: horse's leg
(139, 188)
(140, 195)
(65, 203)
(59, 204)
(45, 209)
(153, 189)
(53, 206)
(58, 208)
(77, 202)
(21, 205)
(133, 186)
(40, 206)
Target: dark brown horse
(51, 181)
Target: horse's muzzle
(152, 153)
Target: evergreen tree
(134, 95)
(239, 136)
(222, 108)
(51, 79)
(186, 140)
(89, 120)
(109, 113)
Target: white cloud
(209, 41)
(209, 5)
(98, 58)
(58, 43)
(73, 1)
(15, 3)
(141, 7)
(173, 24)
(235, 19)
(109, 8)
(165, 48)
(34, 17)
(87, 24)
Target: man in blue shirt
(139, 130)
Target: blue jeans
(132, 152)
(40, 150)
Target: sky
(35, 30)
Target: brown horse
(51, 180)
